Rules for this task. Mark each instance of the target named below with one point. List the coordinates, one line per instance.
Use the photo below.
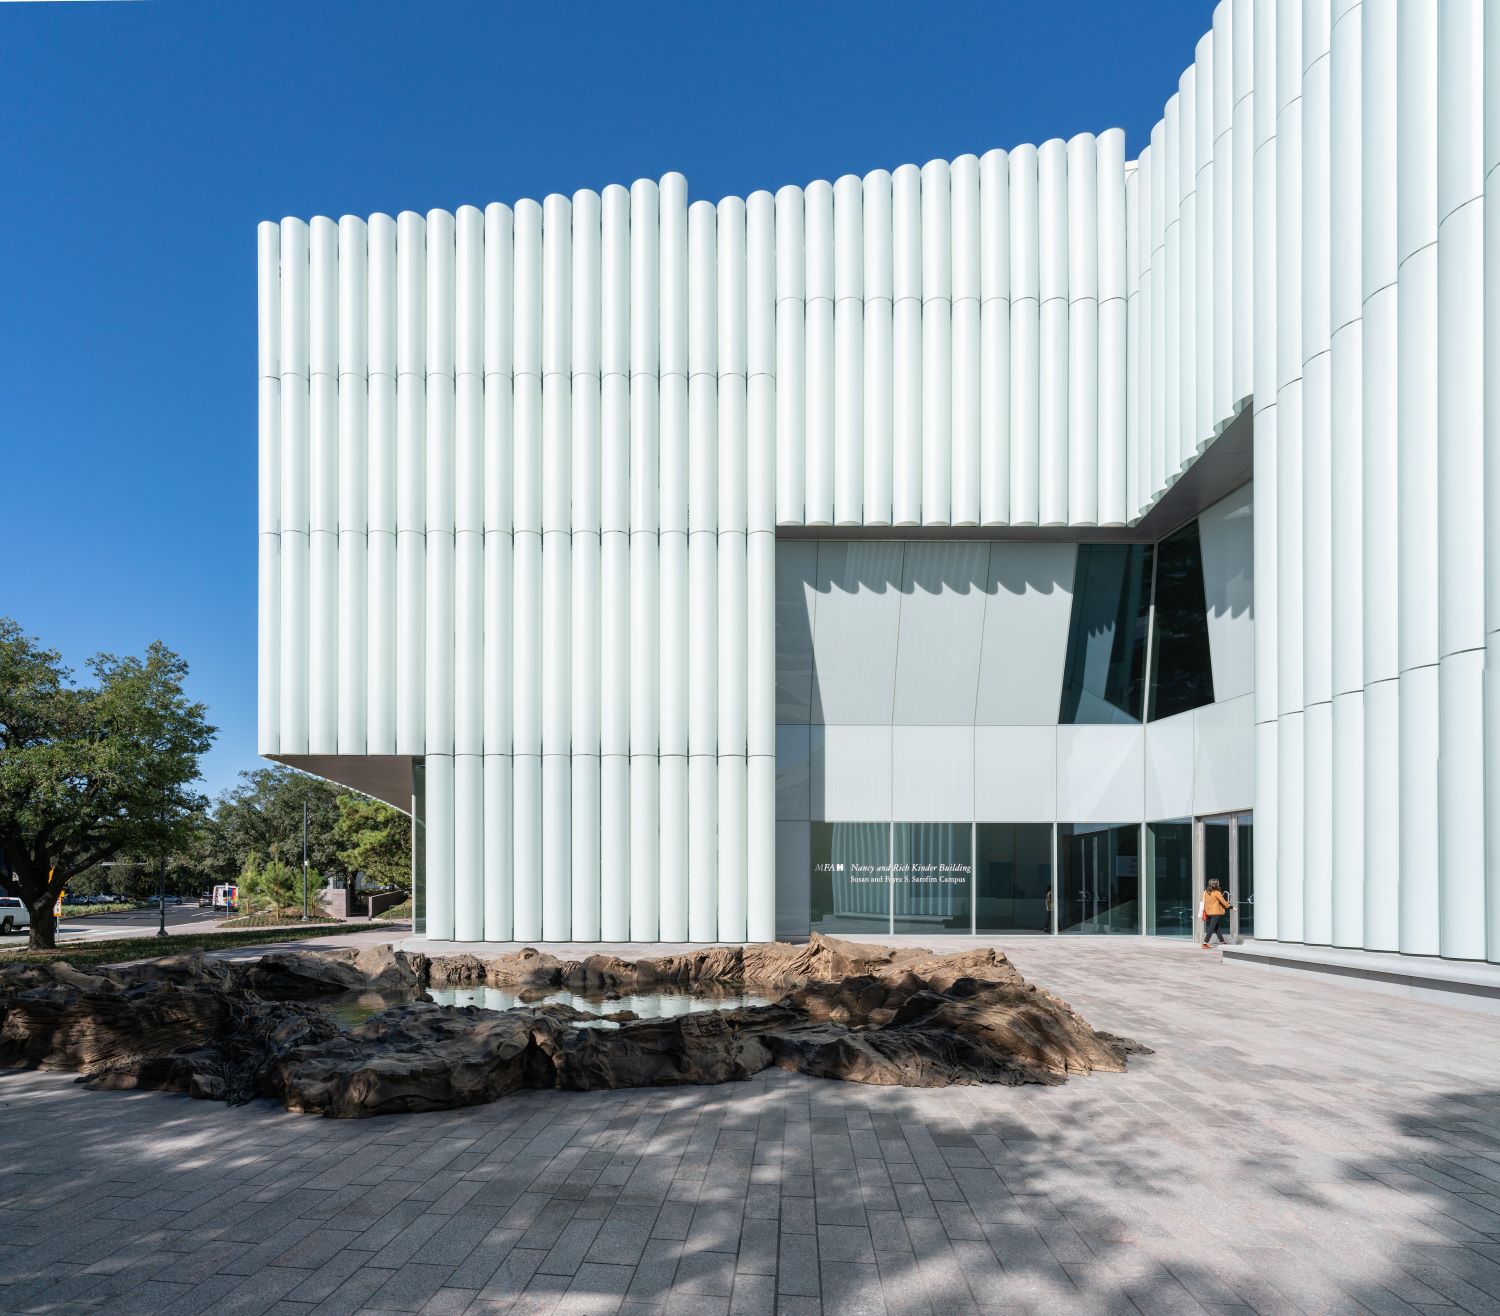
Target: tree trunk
(43, 924)
(40, 891)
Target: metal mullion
(1056, 895)
(1234, 879)
(890, 886)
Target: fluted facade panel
(521, 470)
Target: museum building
(1009, 544)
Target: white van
(14, 916)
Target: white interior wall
(964, 634)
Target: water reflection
(354, 1008)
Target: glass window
(419, 847)
(932, 878)
(1013, 877)
(1099, 877)
(1182, 673)
(1170, 907)
(851, 878)
(1104, 673)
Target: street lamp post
(161, 890)
(161, 896)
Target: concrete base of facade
(1467, 985)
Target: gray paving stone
(655, 1272)
(409, 1288)
(312, 1247)
(573, 1244)
(705, 1273)
(758, 1248)
(696, 1304)
(797, 1269)
(673, 1221)
(852, 1288)
(1327, 1150)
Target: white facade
(522, 473)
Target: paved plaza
(1291, 1146)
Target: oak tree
(91, 769)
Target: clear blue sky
(140, 143)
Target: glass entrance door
(1244, 876)
(1225, 852)
(1216, 863)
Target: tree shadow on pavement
(785, 1193)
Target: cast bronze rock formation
(234, 1032)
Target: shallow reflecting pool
(354, 1008)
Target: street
(125, 923)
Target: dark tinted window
(851, 878)
(1013, 878)
(931, 878)
(1099, 878)
(1104, 678)
(1182, 674)
(1170, 907)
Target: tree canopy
(103, 771)
(377, 840)
(92, 769)
(262, 815)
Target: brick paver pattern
(1292, 1146)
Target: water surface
(353, 1008)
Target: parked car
(14, 916)
(171, 900)
(205, 900)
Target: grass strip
(118, 951)
(89, 911)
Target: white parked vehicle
(14, 916)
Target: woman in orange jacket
(1215, 911)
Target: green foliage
(249, 874)
(401, 911)
(275, 888)
(136, 878)
(262, 816)
(96, 786)
(292, 919)
(88, 911)
(91, 770)
(376, 840)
